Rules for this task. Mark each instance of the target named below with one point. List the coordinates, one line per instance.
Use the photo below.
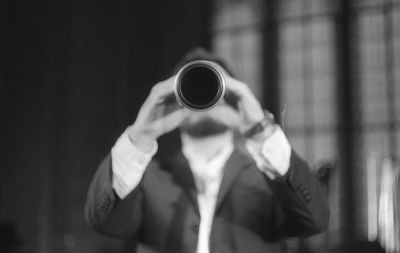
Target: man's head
(199, 53)
(220, 118)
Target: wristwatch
(268, 120)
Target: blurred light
(388, 217)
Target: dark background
(73, 75)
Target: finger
(169, 99)
(235, 90)
(231, 99)
(235, 86)
(163, 88)
(172, 120)
(160, 93)
(161, 110)
(228, 115)
(246, 103)
(171, 107)
(242, 92)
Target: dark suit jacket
(253, 213)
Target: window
(237, 37)
(308, 90)
(377, 64)
(308, 60)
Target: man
(218, 194)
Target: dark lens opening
(200, 87)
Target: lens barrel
(199, 85)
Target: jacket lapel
(236, 163)
(183, 175)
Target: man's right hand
(158, 115)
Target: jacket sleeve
(303, 208)
(106, 212)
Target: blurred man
(217, 194)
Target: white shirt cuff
(272, 155)
(128, 164)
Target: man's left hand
(250, 110)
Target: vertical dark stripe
(307, 73)
(207, 23)
(270, 68)
(346, 119)
(3, 48)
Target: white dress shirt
(206, 157)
